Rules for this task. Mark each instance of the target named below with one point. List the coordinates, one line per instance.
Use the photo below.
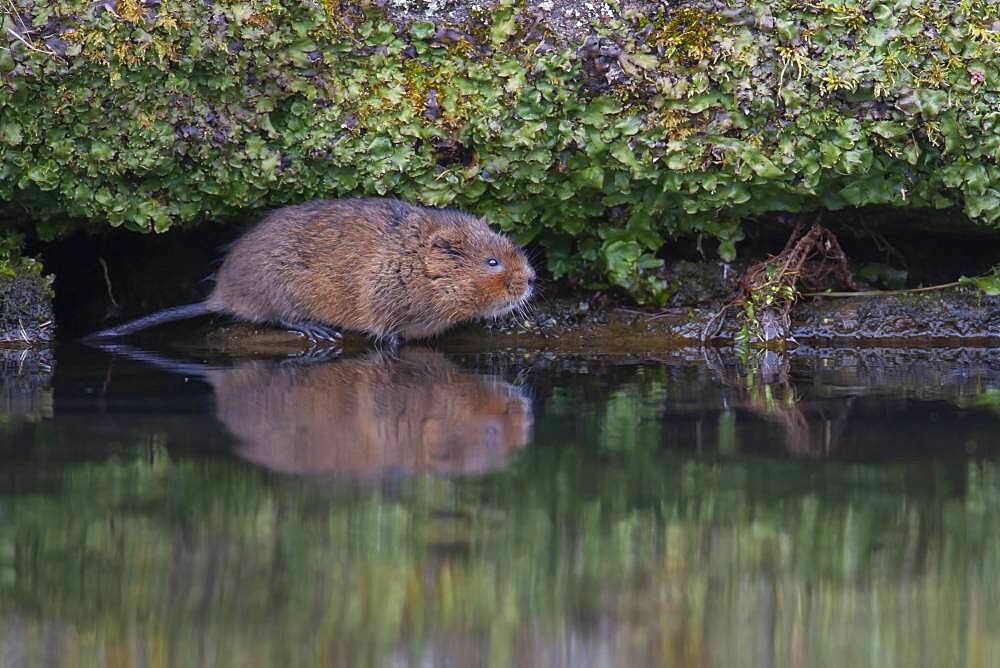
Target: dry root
(769, 289)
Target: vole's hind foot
(388, 345)
(315, 332)
(314, 354)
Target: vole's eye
(493, 262)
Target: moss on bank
(666, 121)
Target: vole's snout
(529, 285)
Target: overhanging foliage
(681, 119)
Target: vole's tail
(158, 318)
(196, 370)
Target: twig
(13, 33)
(666, 313)
(716, 322)
(872, 293)
(12, 10)
(107, 282)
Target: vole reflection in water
(372, 415)
(369, 416)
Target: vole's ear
(446, 240)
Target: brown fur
(378, 266)
(365, 417)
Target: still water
(824, 507)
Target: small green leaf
(889, 129)
(700, 103)
(882, 11)
(930, 102)
(380, 148)
(988, 284)
(678, 161)
(622, 153)
(762, 165)
(620, 257)
(504, 25)
(422, 30)
(10, 133)
(592, 177)
(599, 108)
(629, 125)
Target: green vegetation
(602, 533)
(13, 262)
(988, 284)
(682, 121)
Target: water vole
(379, 266)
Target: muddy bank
(593, 324)
(960, 314)
(26, 317)
(956, 316)
(959, 317)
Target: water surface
(826, 507)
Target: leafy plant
(988, 284)
(675, 121)
(12, 262)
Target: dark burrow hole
(885, 246)
(150, 272)
(913, 242)
(146, 273)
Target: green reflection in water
(574, 554)
(600, 545)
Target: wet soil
(954, 316)
(593, 324)
(26, 317)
